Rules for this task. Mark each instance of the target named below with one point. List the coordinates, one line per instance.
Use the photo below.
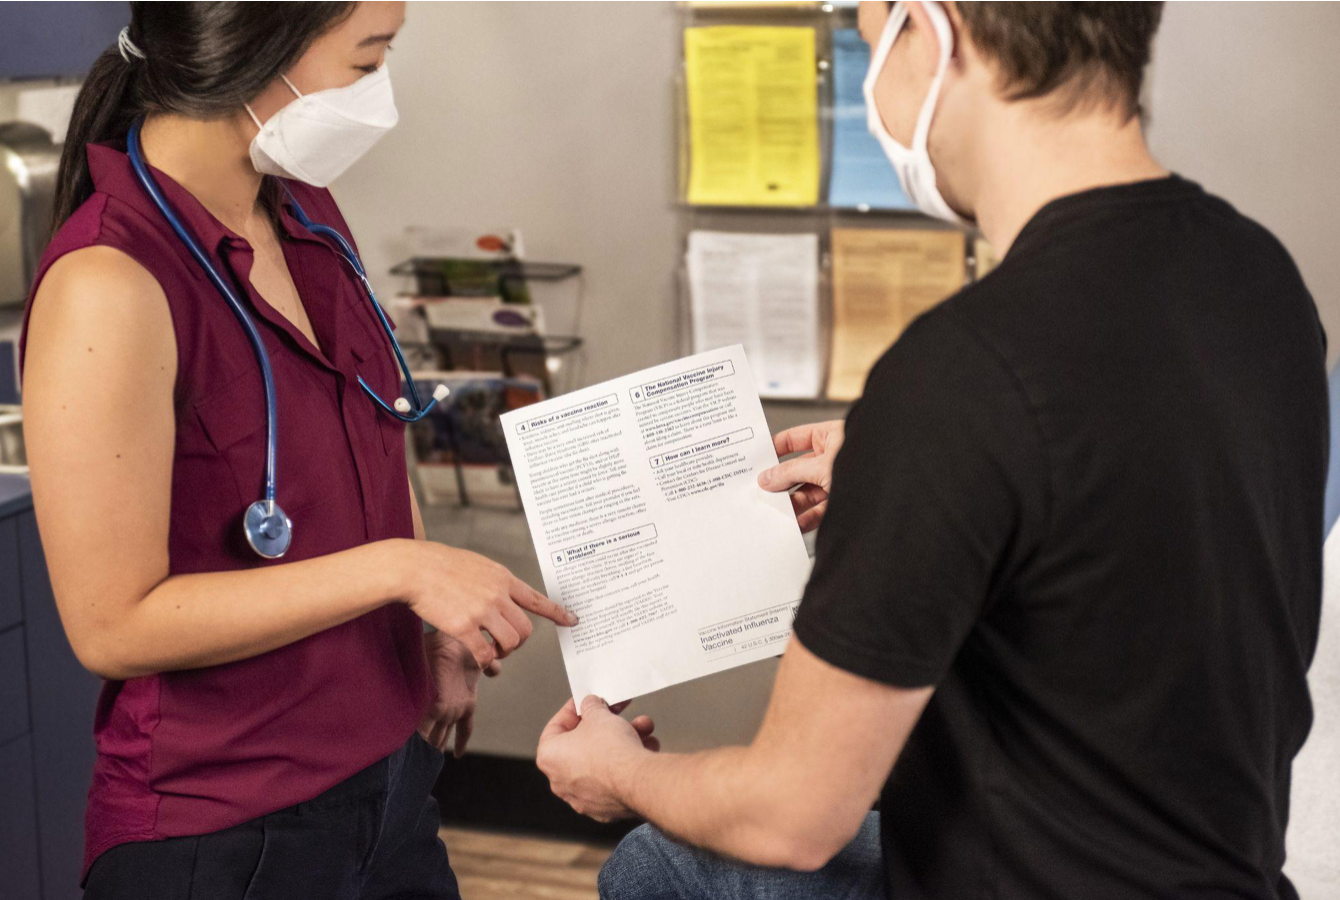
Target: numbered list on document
(643, 502)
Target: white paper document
(643, 502)
(762, 291)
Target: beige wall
(556, 118)
(552, 117)
(559, 118)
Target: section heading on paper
(709, 372)
(571, 412)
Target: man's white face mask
(913, 164)
(316, 137)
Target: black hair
(1084, 53)
(202, 60)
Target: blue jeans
(647, 865)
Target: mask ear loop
(945, 38)
(251, 112)
(879, 59)
(919, 146)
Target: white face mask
(316, 137)
(913, 164)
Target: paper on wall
(861, 174)
(753, 115)
(642, 499)
(882, 280)
(762, 291)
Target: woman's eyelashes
(368, 70)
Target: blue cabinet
(18, 820)
(50, 40)
(47, 702)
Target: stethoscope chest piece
(268, 530)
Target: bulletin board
(775, 163)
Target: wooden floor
(493, 866)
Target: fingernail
(572, 619)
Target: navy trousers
(371, 837)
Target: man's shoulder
(948, 344)
(964, 322)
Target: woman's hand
(456, 677)
(813, 471)
(465, 595)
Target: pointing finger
(528, 598)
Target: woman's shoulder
(105, 239)
(96, 290)
(104, 221)
(97, 270)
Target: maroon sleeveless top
(182, 753)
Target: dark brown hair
(200, 59)
(1080, 53)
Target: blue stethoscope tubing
(268, 530)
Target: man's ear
(955, 26)
(923, 41)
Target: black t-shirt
(1083, 497)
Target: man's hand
(580, 755)
(813, 471)
(456, 676)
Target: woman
(257, 732)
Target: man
(1067, 584)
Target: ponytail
(103, 111)
(200, 59)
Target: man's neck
(209, 158)
(1033, 158)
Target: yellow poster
(882, 280)
(753, 116)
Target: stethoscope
(269, 531)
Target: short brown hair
(1085, 53)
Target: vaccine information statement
(643, 502)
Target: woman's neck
(209, 158)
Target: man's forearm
(727, 800)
